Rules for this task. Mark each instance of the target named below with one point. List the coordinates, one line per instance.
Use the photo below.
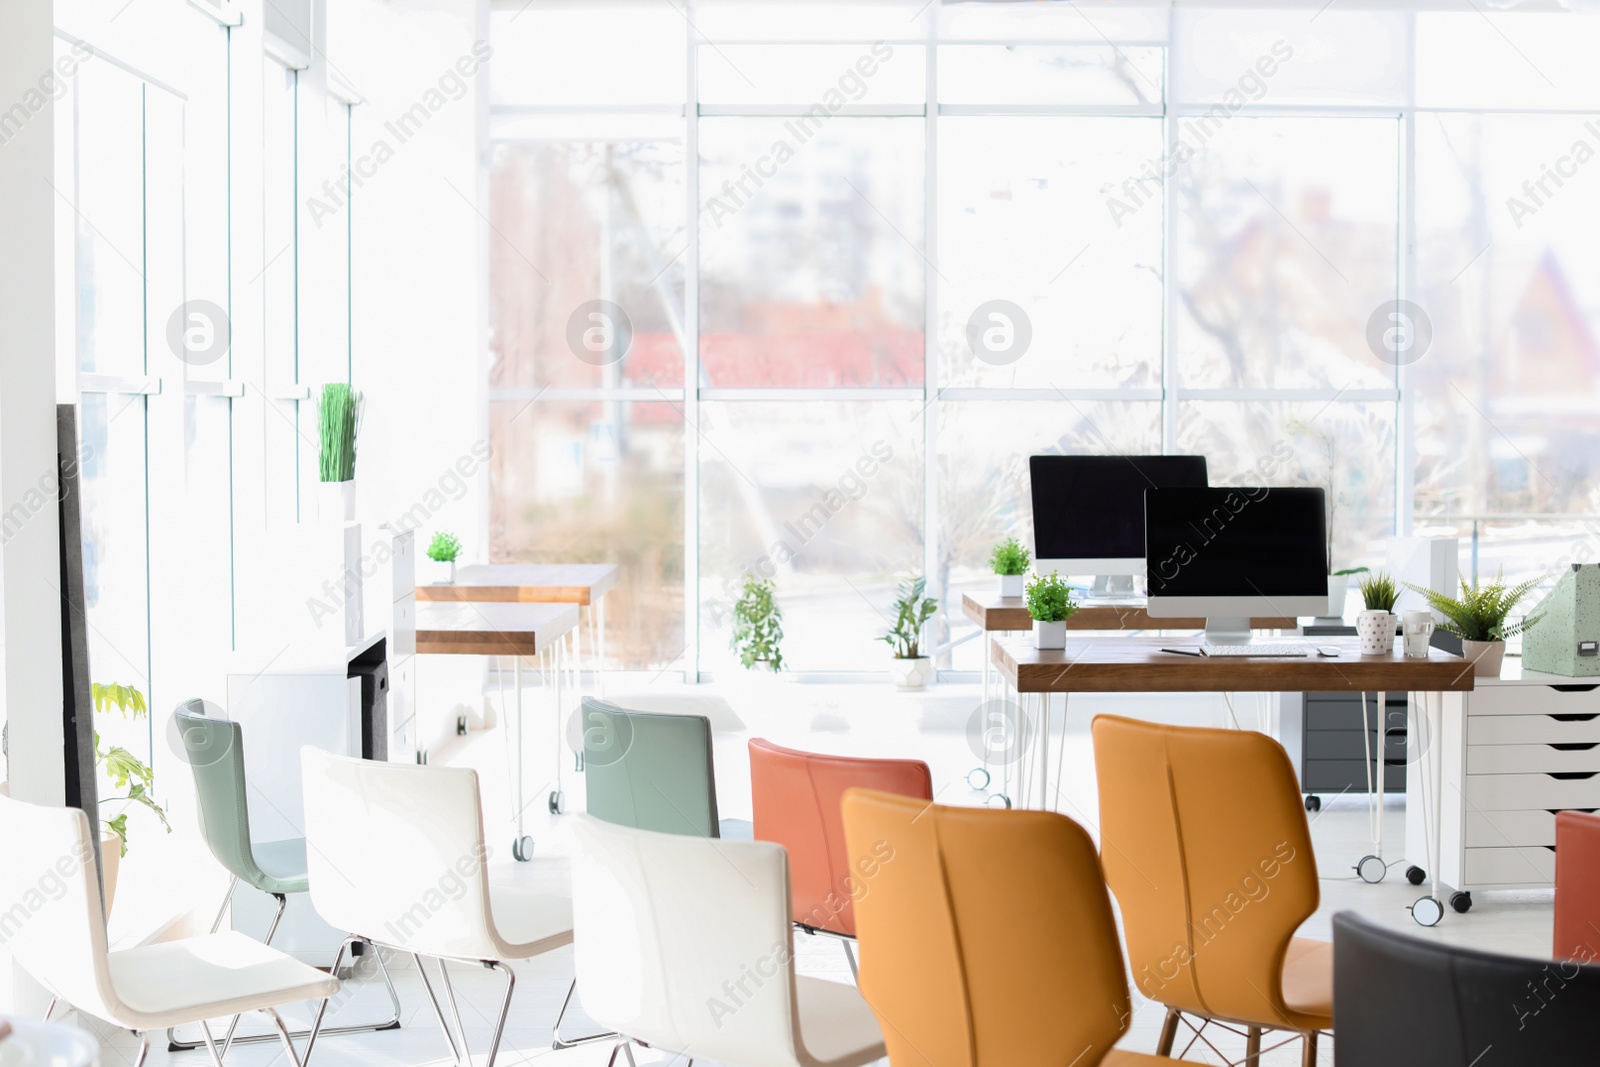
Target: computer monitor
(1232, 553)
(1088, 512)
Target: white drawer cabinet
(1511, 753)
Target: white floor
(858, 720)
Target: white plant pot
(1049, 635)
(336, 501)
(1485, 657)
(442, 572)
(110, 863)
(1011, 586)
(911, 673)
(1376, 629)
(1338, 590)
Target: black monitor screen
(1092, 507)
(1250, 541)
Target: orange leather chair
(795, 796)
(1577, 932)
(1204, 841)
(987, 938)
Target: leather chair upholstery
(1205, 844)
(648, 770)
(1427, 1004)
(987, 938)
(1577, 926)
(796, 797)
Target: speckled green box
(1572, 618)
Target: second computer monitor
(1088, 511)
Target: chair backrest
(395, 853)
(649, 771)
(51, 918)
(796, 799)
(214, 749)
(1204, 841)
(1400, 999)
(987, 937)
(1577, 925)
(685, 943)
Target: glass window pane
(820, 78)
(1345, 447)
(1023, 219)
(811, 243)
(1092, 24)
(1286, 252)
(109, 201)
(1050, 74)
(573, 483)
(808, 20)
(1497, 59)
(612, 54)
(1508, 394)
(826, 497)
(587, 265)
(208, 515)
(1290, 57)
(983, 481)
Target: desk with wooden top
(1138, 665)
(471, 628)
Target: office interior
(784, 532)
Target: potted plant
(1051, 605)
(1478, 616)
(1378, 624)
(910, 669)
(1010, 561)
(758, 625)
(444, 550)
(128, 774)
(338, 422)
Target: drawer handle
(1576, 688)
(1575, 718)
(1572, 776)
(1576, 747)
(1558, 811)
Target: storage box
(1567, 640)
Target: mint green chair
(215, 752)
(652, 771)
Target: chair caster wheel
(1427, 911)
(978, 779)
(999, 800)
(522, 849)
(1462, 902)
(1416, 875)
(1313, 803)
(558, 802)
(1371, 869)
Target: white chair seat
(836, 1026)
(208, 977)
(529, 923)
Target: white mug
(1418, 630)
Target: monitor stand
(1113, 587)
(1227, 630)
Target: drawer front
(403, 743)
(1511, 792)
(1515, 759)
(1533, 700)
(1510, 866)
(404, 633)
(1339, 776)
(1578, 729)
(1351, 744)
(1506, 829)
(405, 565)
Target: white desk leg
(1043, 786)
(1427, 911)
(522, 848)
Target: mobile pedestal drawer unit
(1512, 753)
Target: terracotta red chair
(796, 797)
(1577, 934)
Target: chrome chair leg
(560, 1042)
(850, 955)
(283, 1034)
(211, 1044)
(505, 1009)
(455, 1013)
(51, 1008)
(624, 1046)
(438, 1012)
(144, 1047)
(322, 1008)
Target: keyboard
(1254, 651)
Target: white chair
(52, 917)
(684, 944)
(396, 856)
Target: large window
(959, 235)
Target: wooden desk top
(994, 613)
(1137, 665)
(526, 583)
(488, 629)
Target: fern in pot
(1010, 561)
(1378, 624)
(1479, 617)
(910, 668)
(1050, 604)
